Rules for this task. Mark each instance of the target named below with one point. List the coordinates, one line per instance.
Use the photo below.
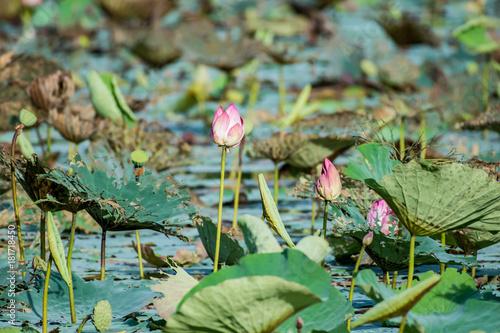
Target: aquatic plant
(328, 187)
(227, 132)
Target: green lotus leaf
(474, 34)
(378, 164)
(57, 248)
(314, 247)
(102, 97)
(123, 297)
(390, 253)
(326, 316)
(270, 287)
(398, 305)
(258, 236)
(471, 240)
(315, 148)
(230, 250)
(271, 213)
(430, 199)
(118, 204)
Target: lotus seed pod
(27, 118)
(139, 157)
(102, 316)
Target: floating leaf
(271, 213)
(173, 289)
(398, 305)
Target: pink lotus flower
(228, 128)
(380, 214)
(31, 3)
(328, 185)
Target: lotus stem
(103, 255)
(49, 142)
(325, 219)
(412, 261)
(84, 321)
(464, 268)
(219, 215)
(139, 253)
(486, 70)
(442, 266)
(402, 138)
(238, 184)
(351, 291)
(423, 145)
(394, 279)
(282, 90)
(254, 95)
(386, 278)
(402, 325)
(473, 269)
(395, 273)
(313, 216)
(43, 216)
(18, 131)
(70, 254)
(45, 295)
(276, 183)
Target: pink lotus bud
(328, 185)
(368, 239)
(228, 128)
(31, 3)
(380, 215)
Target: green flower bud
(102, 316)
(27, 118)
(139, 158)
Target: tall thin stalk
(43, 223)
(282, 90)
(139, 254)
(70, 254)
(442, 266)
(325, 219)
(422, 135)
(49, 143)
(412, 261)
(351, 291)
(18, 131)
(238, 184)
(486, 71)
(276, 183)
(45, 295)
(473, 269)
(313, 215)
(402, 137)
(219, 215)
(402, 325)
(103, 255)
(464, 268)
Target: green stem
(45, 295)
(412, 261)
(325, 219)
(313, 216)
(473, 270)
(402, 326)
(43, 217)
(464, 268)
(276, 183)
(442, 266)
(238, 184)
(351, 291)
(19, 129)
(84, 321)
(486, 70)
(49, 141)
(219, 215)
(282, 90)
(394, 279)
(103, 255)
(422, 135)
(402, 138)
(70, 254)
(139, 253)
(254, 95)
(386, 278)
